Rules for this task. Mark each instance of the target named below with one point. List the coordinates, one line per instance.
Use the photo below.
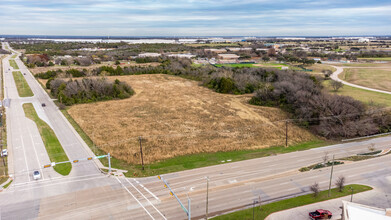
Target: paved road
(339, 70)
(27, 151)
(87, 194)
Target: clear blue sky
(195, 17)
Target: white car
(36, 175)
(4, 153)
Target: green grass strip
(14, 65)
(14, 56)
(236, 65)
(292, 203)
(21, 85)
(53, 147)
(7, 185)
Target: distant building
(149, 55)
(228, 56)
(363, 40)
(237, 49)
(216, 50)
(182, 55)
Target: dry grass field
(176, 116)
(372, 78)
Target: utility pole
(141, 152)
(259, 201)
(286, 133)
(331, 176)
(108, 157)
(207, 196)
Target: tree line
(300, 94)
(76, 91)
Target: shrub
(340, 183)
(315, 189)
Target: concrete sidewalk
(374, 198)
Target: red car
(320, 214)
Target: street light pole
(207, 196)
(331, 176)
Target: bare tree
(371, 147)
(336, 85)
(340, 183)
(325, 157)
(315, 189)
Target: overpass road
(88, 194)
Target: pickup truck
(320, 214)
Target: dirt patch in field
(176, 116)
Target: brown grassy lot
(372, 78)
(37, 70)
(377, 65)
(178, 117)
(317, 68)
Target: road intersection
(89, 194)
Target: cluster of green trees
(51, 74)
(88, 90)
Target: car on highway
(43, 105)
(4, 153)
(36, 175)
(320, 214)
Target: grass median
(21, 85)
(14, 65)
(3, 166)
(53, 147)
(292, 203)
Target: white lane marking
(66, 182)
(135, 198)
(25, 158)
(62, 178)
(146, 199)
(36, 155)
(145, 188)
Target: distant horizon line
(178, 36)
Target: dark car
(320, 214)
(43, 104)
